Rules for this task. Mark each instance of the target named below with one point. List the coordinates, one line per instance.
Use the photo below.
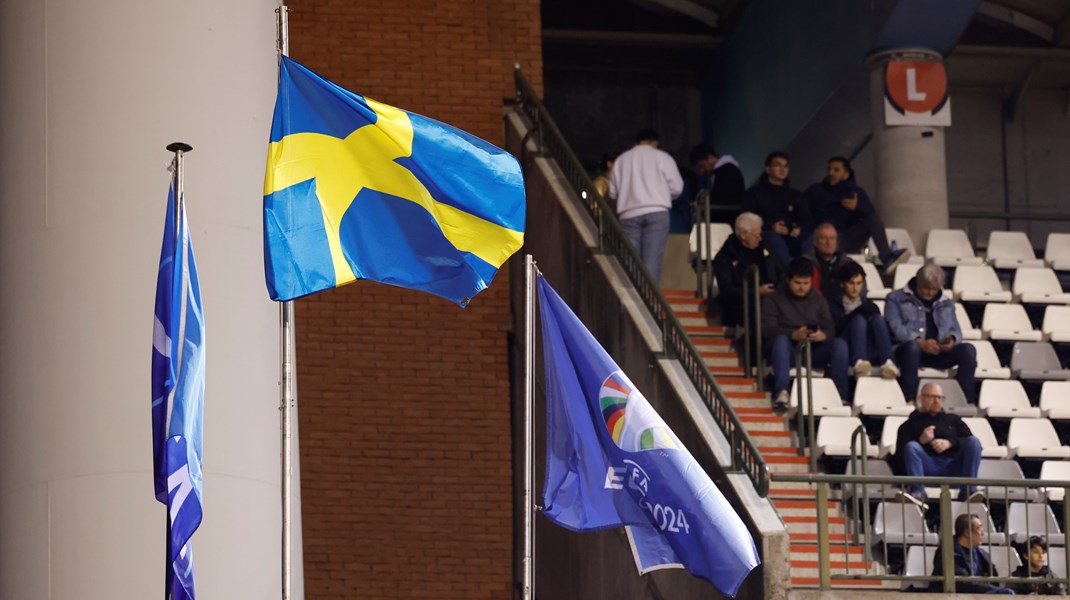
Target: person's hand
(940, 445)
(948, 343)
(929, 346)
(780, 228)
(850, 203)
(799, 334)
(927, 435)
(765, 289)
(818, 336)
(795, 231)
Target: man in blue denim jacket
(924, 325)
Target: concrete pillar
(911, 168)
(90, 93)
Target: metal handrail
(700, 215)
(823, 481)
(745, 454)
(804, 424)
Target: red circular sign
(917, 87)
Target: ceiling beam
(1015, 18)
(689, 8)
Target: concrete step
(691, 318)
(762, 422)
(705, 330)
(715, 344)
(736, 384)
(715, 358)
(787, 468)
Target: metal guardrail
(1033, 491)
(745, 455)
(752, 328)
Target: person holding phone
(795, 313)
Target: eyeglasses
(932, 396)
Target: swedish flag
(356, 189)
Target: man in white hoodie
(644, 180)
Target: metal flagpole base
(179, 147)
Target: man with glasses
(971, 560)
(934, 443)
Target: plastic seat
(718, 233)
(1057, 251)
(1007, 470)
(827, 402)
(1056, 326)
(982, 430)
(1055, 400)
(979, 283)
(954, 400)
(1033, 361)
(992, 535)
(1009, 323)
(890, 434)
(876, 397)
(901, 523)
(1057, 561)
(902, 240)
(950, 248)
(903, 274)
(1026, 519)
(1011, 250)
(1054, 470)
(969, 332)
(1038, 286)
(988, 365)
(875, 289)
(834, 438)
(872, 491)
(920, 561)
(1035, 438)
(1005, 399)
(1005, 559)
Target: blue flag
(356, 189)
(611, 461)
(178, 398)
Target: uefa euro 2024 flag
(356, 189)
(178, 398)
(611, 461)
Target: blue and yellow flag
(356, 189)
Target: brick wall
(404, 398)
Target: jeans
(648, 233)
(910, 358)
(830, 355)
(919, 463)
(784, 247)
(868, 338)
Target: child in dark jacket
(860, 324)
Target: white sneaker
(782, 399)
(862, 367)
(889, 370)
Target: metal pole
(287, 400)
(529, 428)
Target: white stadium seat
(969, 332)
(1056, 326)
(1009, 323)
(1005, 399)
(718, 233)
(876, 397)
(1011, 250)
(978, 283)
(1035, 438)
(1038, 286)
(834, 438)
(1057, 251)
(827, 401)
(950, 248)
(982, 430)
(988, 365)
(1055, 400)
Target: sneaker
(896, 258)
(977, 497)
(889, 370)
(907, 498)
(782, 399)
(862, 367)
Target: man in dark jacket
(720, 174)
(971, 560)
(1035, 566)
(787, 220)
(740, 251)
(839, 200)
(796, 313)
(933, 443)
(827, 262)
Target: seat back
(877, 391)
(1055, 470)
(1005, 559)
(982, 430)
(825, 396)
(717, 232)
(1006, 316)
(976, 278)
(1026, 519)
(837, 432)
(1012, 245)
(890, 434)
(1032, 433)
(1055, 395)
(903, 274)
(1034, 356)
(874, 283)
(896, 518)
(1002, 392)
(920, 561)
(1057, 247)
(1056, 320)
(948, 243)
(1035, 281)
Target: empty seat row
(904, 523)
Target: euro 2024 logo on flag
(636, 427)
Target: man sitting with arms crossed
(933, 443)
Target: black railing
(745, 455)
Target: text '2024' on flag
(612, 461)
(178, 398)
(356, 189)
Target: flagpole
(529, 428)
(177, 186)
(286, 331)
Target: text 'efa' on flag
(356, 189)
(612, 461)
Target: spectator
(859, 321)
(787, 222)
(934, 443)
(796, 313)
(1035, 566)
(971, 560)
(720, 174)
(926, 329)
(840, 201)
(741, 250)
(827, 262)
(644, 180)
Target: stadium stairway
(796, 502)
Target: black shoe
(907, 498)
(893, 260)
